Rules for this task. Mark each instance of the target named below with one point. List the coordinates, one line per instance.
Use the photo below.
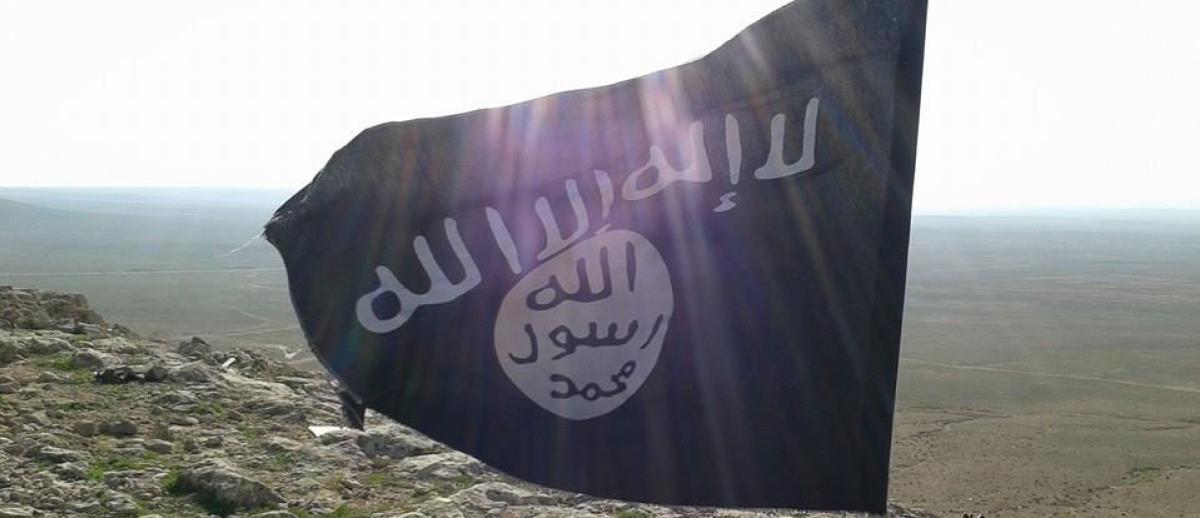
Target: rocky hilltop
(97, 421)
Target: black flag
(684, 288)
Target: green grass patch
(280, 462)
(99, 467)
(1142, 475)
(170, 483)
(61, 363)
(250, 433)
(78, 406)
(212, 408)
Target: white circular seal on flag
(581, 333)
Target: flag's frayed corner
(242, 247)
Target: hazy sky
(1026, 103)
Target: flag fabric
(684, 288)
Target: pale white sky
(1027, 103)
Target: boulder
(154, 374)
(177, 397)
(194, 372)
(282, 444)
(89, 358)
(50, 377)
(118, 345)
(119, 427)
(160, 446)
(69, 471)
(218, 481)
(441, 466)
(59, 455)
(491, 496)
(41, 345)
(194, 348)
(8, 350)
(85, 428)
(394, 443)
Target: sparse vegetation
(1142, 475)
(98, 467)
(57, 362)
(212, 408)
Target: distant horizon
(995, 209)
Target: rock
(282, 444)
(269, 406)
(177, 397)
(441, 466)
(501, 492)
(15, 512)
(195, 348)
(273, 514)
(393, 443)
(59, 455)
(38, 345)
(50, 377)
(195, 372)
(119, 427)
(70, 471)
(38, 418)
(161, 432)
(182, 420)
(190, 445)
(339, 435)
(441, 507)
(120, 504)
(218, 481)
(85, 428)
(212, 441)
(144, 484)
(86, 507)
(9, 388)
(155, 374)
(490, 496)
(160, 446)
(545, 511)
(90, 359)
(118, 345)
(8, 350)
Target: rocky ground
(96, 421)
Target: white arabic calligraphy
(661, 175)
(441, 289)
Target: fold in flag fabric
(683, 288)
